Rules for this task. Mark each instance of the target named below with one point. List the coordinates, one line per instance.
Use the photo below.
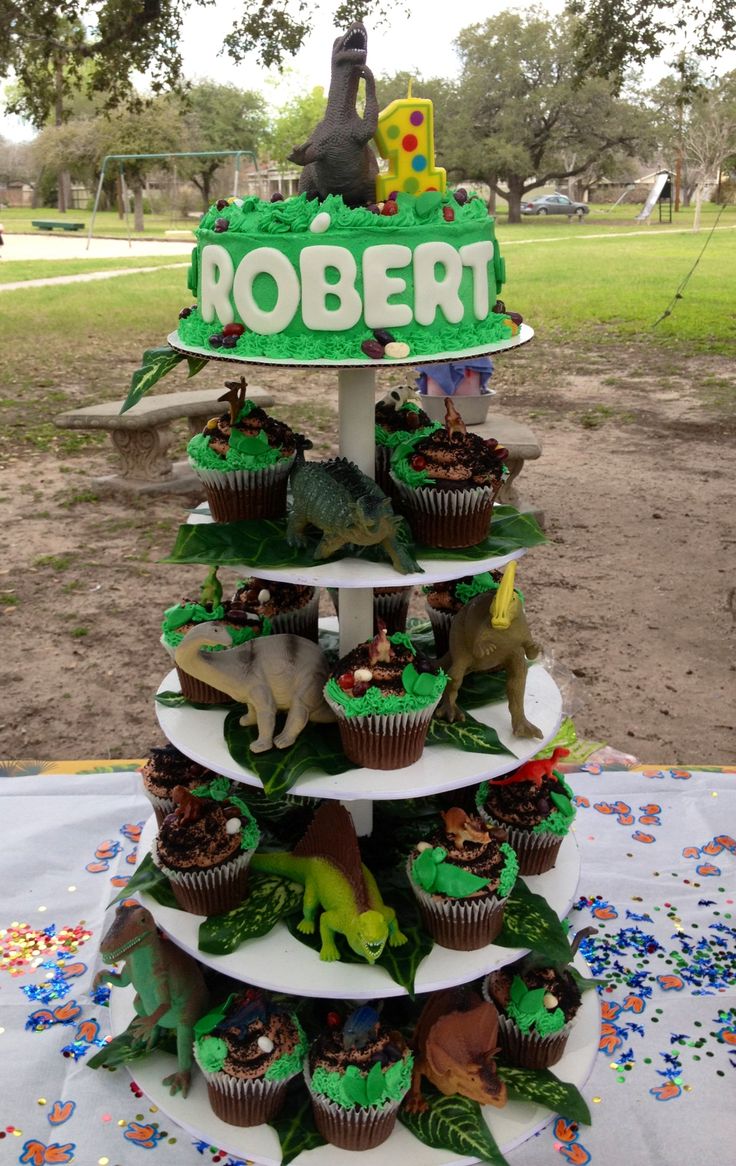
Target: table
(658, 862)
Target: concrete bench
(522, 445)
(142, 436)
(54, 224)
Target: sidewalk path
(86, 276)
(49, 245)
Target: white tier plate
(281, 963)
(199, 733)
(510, 1126)
(353, 573)
(523, 336)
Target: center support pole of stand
(356, 410)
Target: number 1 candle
(405, 137)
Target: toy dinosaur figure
(459, 827)
(455, 1042)
(534, 770)
(454, 424)
(269, 674)
(348, 507)
(327, 862)
(210, 595)
(489, 633)
(336, 157)
(170, 990)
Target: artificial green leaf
(374, 1084)
(563, 804)
(542, 1087)
(195, 364)
(355, 1085)
(479, 688)
(317, 747)
(294, 1123)
(157, 362)
(533, 1000)
(510, 531)
(456, 1124)
(269, 899)
(262, 544)
(529, 921)
(585, 983)
(148, 880)
(518, 990)
(469, 735)
(175, 700)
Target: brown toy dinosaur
(170, 990)
(337, 157)
(459, 827)
(455, 1042)
(490, 633)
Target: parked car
(554, 204)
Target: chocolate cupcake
(357, 1076)
(398, 417)
(287, 607)
(164, 769)
(445, 483)
(536, 1007)
(243, 459)
(190, 613)
(384, 694)
(248, 1050)
(534, 805)
(444, 601)
(461, 878)
(205, 846)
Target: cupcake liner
(441, 622)
(235, 495)
(383, 742)
(528, 1050)
(209, 892)
(536, 853)
(351, 1129)
(302, 621)
(459, 924)
(244, 1101)
(199, 692)
(161, 806)
(393, 608)
(446, 518)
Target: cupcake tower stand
(279, 962)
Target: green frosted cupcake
(536, 813)
(248, 1051)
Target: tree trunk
(63, 181)
(138, 206)
(120, 196)
(514, 196)
(206, 187)
(698, 205)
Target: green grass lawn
(17, 270)
(82, 341)
(18, 220)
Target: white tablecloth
(657, 880)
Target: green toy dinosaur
(170, 990)
(327, 862)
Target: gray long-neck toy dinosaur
(336, 157)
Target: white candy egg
(363, 675)
(320, 223)
(264, 596)
(550, 1001)
(265, 1044)
(397, 350)
(423, 846)
(233, 825)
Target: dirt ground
(633, 597)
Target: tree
(710, 136)
(522, 122)
(294, 123)
(611, 35)
(219, 116)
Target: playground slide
(659, 180)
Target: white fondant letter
(266, 261)
(217, 281)
(378, 285)
(431, 293)
(313, 263)
(477, 256)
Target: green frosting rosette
(561, 818)
(436, 876)
(527, 1009)
(421, 689)
(364, 1090)
(211, 1051)
(182, 614)
(393, 440)
(220, 789)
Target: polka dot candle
(405, 138)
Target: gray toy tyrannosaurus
(337, 158)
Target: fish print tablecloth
(657, 880)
